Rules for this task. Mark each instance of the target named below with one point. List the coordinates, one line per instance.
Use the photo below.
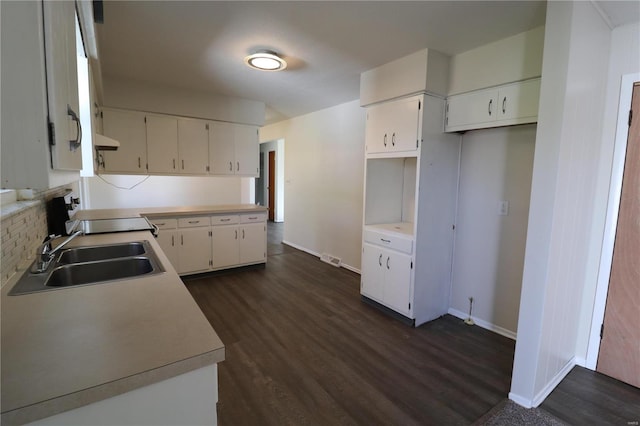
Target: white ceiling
(201, 45)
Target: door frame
(271, 184)
(611, 223)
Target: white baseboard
(318, 255)
(526, 403)
(582, 362)
(484, 324)
(544, 393)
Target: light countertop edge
(169, 211)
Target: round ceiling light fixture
(265, 61)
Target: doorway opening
(269, 188)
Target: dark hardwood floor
(301, 348)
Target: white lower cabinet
(386, 277)
(204, 243)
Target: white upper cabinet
(510, 104)
(127, 127)
(162, 144)
(193, 146)
(233, 149)
(393, 126)
(62, 84)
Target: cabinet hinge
(630, 116)
(601, 330)
(52, 133)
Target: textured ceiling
(201, 45)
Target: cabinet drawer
(194, 222)
(390, 241)
(257, 217)
(165, 223)
(225, 220)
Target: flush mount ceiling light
(265, 61)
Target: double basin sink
(92, 265)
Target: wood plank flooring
(302, 349)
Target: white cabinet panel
(393, 126)
(372, 272)
(226, 245)
(507, 105)
(194, 254)
(247, 150)
(193, 146)
(253, 245)
(221, 148)
(168, 240)
(162, 144)
(127, 127)
(397, 281)
(62, 83)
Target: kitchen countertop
(69, 347)
(168, 211)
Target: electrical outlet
(503, 208)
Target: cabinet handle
(385, 139)
(230, 166)
(182, 164)
(225, 220)
(243, 234)
(504, 105)
(174, 164)
(75, 144)
(172, 241)
(138, 162)
(252, 218)
(393, 139)
(237, 166)
(385, 241)
(161, 224)
(236, 234)
(380, 260)
(490, 104)
(181, 239)
(194, 221)
(387, 263)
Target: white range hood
(104, 143)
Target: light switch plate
(503, 208)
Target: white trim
(484, 324)
(613, 205)
(581, 362)
(544, 393)
(318, 255)
(520, 400)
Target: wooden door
(619, 355)
(272, 185)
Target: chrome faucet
(46, 254)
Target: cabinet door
(472, 108)
(193, 146)
(397, 283)
(162, 144)
(168, 240)
(129, 129)
(519, 100)
(247, 150)
(253, 242)
(372, 272)
(221, 148)
(225, 245)
(376, 136)
(194, 252)
(62, 83)
(404, 119)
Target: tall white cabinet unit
(409, 205)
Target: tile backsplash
(23, 228)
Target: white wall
(511, 59)
(496, 165)
(324, 171)
(624, 59)
(570, 123)
(162, 191)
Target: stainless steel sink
(95, 272)
(95, 253)
(92, 265)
